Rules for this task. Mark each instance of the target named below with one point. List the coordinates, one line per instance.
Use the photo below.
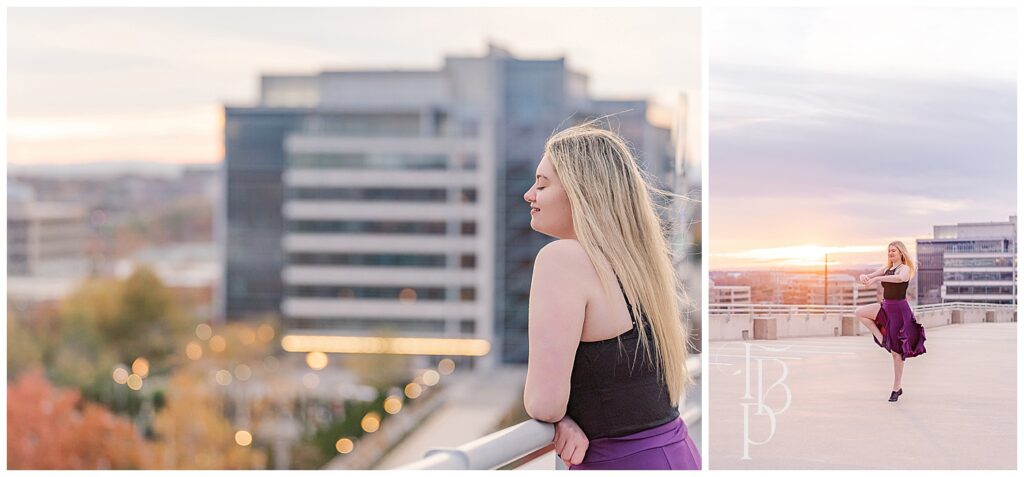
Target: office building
(968, 262)
(369, 202)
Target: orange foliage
(50, 428)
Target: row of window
(966, 246)
(389, 293)
(979, 276)
(979, 262)
(377, 227)
(379, 260)
(978, 290)
(466, 195)
(466, 327)
(466, 161)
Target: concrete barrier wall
(731, 327)
(795, 325)
(933, 318)
(1000, 316)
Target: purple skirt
(900, 332)
(664, 447)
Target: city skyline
(140, 100)
(827, 139)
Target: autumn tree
(50, 428)
(192, 433)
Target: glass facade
(979, 276)
(368, 161)
(368, 260)
(396, 293)
(254, 226)
(948, 250)
(367, 227)
(372, 194)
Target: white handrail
(520, 443)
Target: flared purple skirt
(664, 447)
(900, 332)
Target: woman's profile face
(894, 254)
(550, 211)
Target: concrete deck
(958, 409)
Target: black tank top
(614, 390)
(894, 291)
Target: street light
(826, 279)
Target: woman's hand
(570, 441)
(863, 279)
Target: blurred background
(296, 239)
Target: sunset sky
(836, 131)
(148, 84)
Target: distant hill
(106, 169)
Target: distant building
(45, 247)
(968, 262)
(357, 201)
(46, 240)
(729, 294)
(809, 289)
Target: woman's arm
(557, 308)
(902, 275)
(876, 273)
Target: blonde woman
(892, 322)
(607, 373)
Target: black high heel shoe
(895, 395)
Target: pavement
(958, 409)
(474, 406)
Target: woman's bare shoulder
(564, 252)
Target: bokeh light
(243, 372)
(141, 367)
(446, 366)
(243, 438)
(120, 375)
(203, 331)
(344, 445)
(316, 360)
(223, 377)
(218, 343)
(134, 382)
(413, 390)
(193, 350)
(393, 404)
(370, 422)
(407, 294)
(430, 377)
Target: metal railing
(519, 444)
(963, 305)
(778, 309)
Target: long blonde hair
(903, 252)
(614, 217)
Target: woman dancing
(608, 374)
(892, 322)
